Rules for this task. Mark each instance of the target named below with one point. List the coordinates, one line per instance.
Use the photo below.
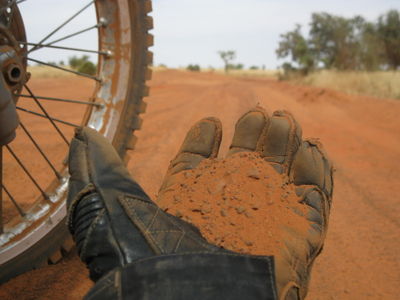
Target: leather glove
(112, 220)
(278, 139)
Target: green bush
(88, 68)
(82, 64)
(193, 68)
(235, 66)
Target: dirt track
(361, 134)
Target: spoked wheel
(34, 174)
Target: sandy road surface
(361, 258)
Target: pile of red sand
(240, 203)
(67, 280)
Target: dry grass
(48, 72)
(237, 73)
(378, 84)
(159, 68)
(249, 73)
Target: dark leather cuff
(190, 276)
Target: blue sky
(193, 31)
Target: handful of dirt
(240, 203)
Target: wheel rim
(103, 113)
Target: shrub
(88, 68)
(193, 68)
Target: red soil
(240, 203)
(361, 135)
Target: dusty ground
(361, 134)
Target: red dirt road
(361, 135)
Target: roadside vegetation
(80, 64)
(352, 55)
(338, 43)
(380, 84)
(250, 73)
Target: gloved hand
(278, 139)
(114, 223)
(112, 220)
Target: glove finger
(282, 140)
(201, 142)
(312, 167)
(249, 128)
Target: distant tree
(372, 51)
(288, 71)
(88, 68)
(254, 68)
(389, 32)
(75, 62)
(193, 68)
(82, 64)
(235, 66)
(295, 46)
(228, 57)
(61, 63)
(336, 40)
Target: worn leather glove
(112, 220)
(279, 140)
(114, 223)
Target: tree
(82, 64)
(389, 32)
(88, 68)
(227, 57)
(336, 40)
(75, 62)
(235, 66)
(294, 45)
(372, 51)
(193, 68)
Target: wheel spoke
(62, 100)
(44, 116)
(107, 53)
(64, 69)
(70, 36)
(40, 151)
(20, 210)
(27, 172)
(63, 24)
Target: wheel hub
(12, 62)
(13, 65)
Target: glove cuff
(190, 276)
